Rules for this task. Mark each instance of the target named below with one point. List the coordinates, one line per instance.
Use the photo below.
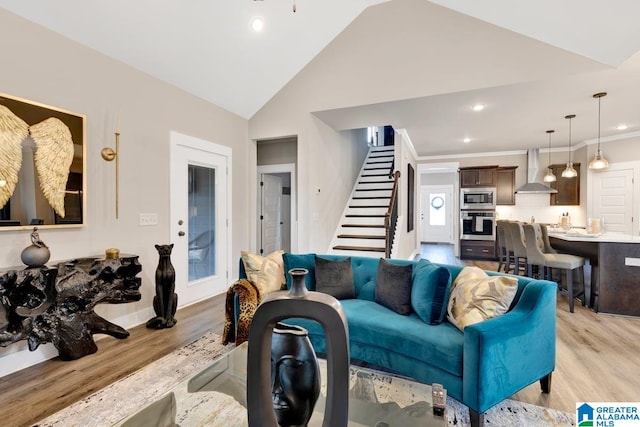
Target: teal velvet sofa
(480, 367)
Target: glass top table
(216, 396)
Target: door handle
(180, 233)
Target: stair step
(371, 175)
(378, 162)
(383, 156)
(373, 189)
(363, 225)
(368, 206)
(358, 248)
(360, 236)
(376, 169)
(364, 216)
(370, 198)
(382, 149)
(375, 182)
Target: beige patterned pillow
(266, 273)
(475, 297)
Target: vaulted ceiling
(207, 48)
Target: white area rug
(125, 397)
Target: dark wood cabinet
(568, 188)
(482, 176)
(506, 185)
(478, 249)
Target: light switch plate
(148, 219)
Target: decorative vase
(37, 254)
(266, 341)
(296, 375)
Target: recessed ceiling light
(478, 107)
(466, 140)
(257, 23)
(622, 127)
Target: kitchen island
(615, 268)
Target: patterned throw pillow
(475, 297)
(266, 273)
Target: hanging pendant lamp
(549, 176)
(569, 171)
(598, 161)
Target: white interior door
(200, 217)
(613, 199)
(270, 218)
(436, 210)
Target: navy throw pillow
(393, 286)
(430, 291)
(335, 278)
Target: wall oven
(478, 198)
(478, 225)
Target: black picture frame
(411, 197)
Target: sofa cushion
(307, 261)
(430, 291)
(266, 273)
(475, 296)
(393, 286)
(383, 333)
(335, 277)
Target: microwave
(478, 198)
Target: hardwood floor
(597, 359)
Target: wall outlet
(148, 219)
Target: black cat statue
(166, 300)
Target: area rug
(114, 403)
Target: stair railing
(391, 216)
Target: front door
(436, 210)
(200, 212)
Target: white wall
(39, 65)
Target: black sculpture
(55, 305)
(295, 375)
(166, 300)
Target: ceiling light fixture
(478, 107)
(598, 161)
(622, 127)
(569, 171)
(466, 140)
(549, 176)
(257, 23)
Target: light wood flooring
(598, 359)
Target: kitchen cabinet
(481, 176)
(506, 185)
(478, 249)
(568, 188)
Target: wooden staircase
(362, 229)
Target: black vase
(295, 375)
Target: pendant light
(569, 171)
(598, 161)
(549, 176)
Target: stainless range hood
(534, 183)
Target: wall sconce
(109, 154)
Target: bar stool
(518, 247)
(503, 255)
(565, 262)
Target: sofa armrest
(507, 353)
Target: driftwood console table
(55, 303)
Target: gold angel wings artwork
(53, 156)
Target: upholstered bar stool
(518, 247)
(503, 255)
(564, 262)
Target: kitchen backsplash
(537, 206)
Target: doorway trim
(281, 168)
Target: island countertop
(602, 238)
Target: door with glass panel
(436, 214)
(199, 217)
